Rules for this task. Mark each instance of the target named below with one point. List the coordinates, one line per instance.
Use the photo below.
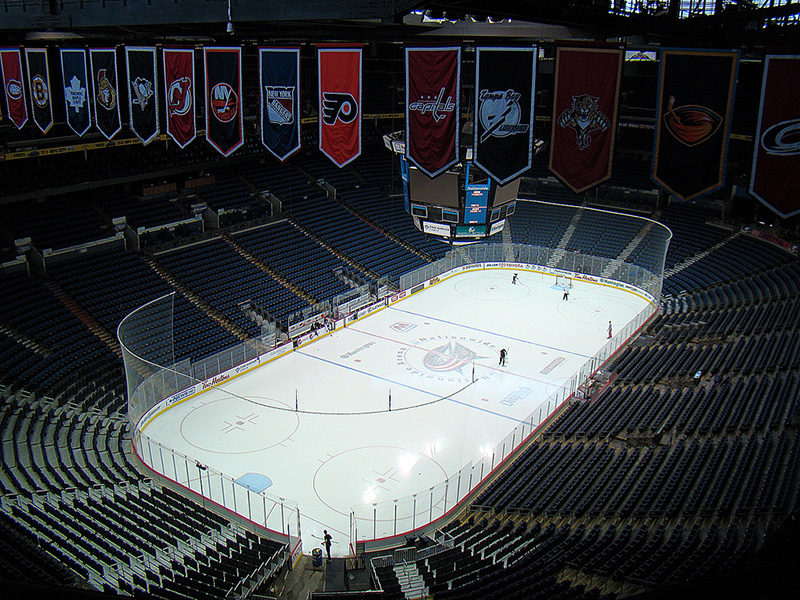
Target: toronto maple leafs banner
(39, 87)
(505, 89)
(142, 92)
(13, 88)
(585, 107)
(695, 101)
(74, 74)
(339, 103)
(105, 90)
(279, 74)
(179, 88)
(224, 121)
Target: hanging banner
(279, 74)
(695, 101)
(339, 103)
(13, 88)
(224, 122)
(585, 107)
(142, 92)
(103, 65)
(505, 90)
(775, 176)
(75, 76)
(39, 87)
(179, 96)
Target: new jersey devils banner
(505, 90)
(339, 103)
(775, 177)
(179, 82)
(142, 92)
(74, 74)
(693, 120)
(11, 65)
(224, 122)
(103, 65)
(585, 114)
(433, 84)
(279, 74)
(39, 86)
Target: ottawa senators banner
(75, 76)
(142, 92)
(279, 74)
(693, 116)
(224, 120)
(103, 64)
(775, 178)
(13, 88)
(339, 103)
(433, 84)
(585, 110)
(39, 86)
(179, 82)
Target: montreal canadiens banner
(142, 92)
(695, 101)
(103, 65)
(339, 103)
(279, 74)
(13, 88)
(74, 74)
(775, 176)
(224, 122)
(585, 107)
(433, 85)
(39, 87)
(179, 96)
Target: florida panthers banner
(74, 74)
(693, 120)
(585, 114)
(433, 84)
(279, 74)
(103, 64)
(39, 86)
(339, 103)
(224, 121)
(179, 86)
(13, 88)
(775, 176)
(142, 92)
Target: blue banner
(279, 74)
(76, 89)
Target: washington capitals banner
(339, 103)
(693, 120)
(11, 64)
(433, 84)
(279, 74)
(39, 86)
(179, 88)
(505, 90)
(103, 64)
(75, 76)
(142, 92)
(585, 110)
(224, 121)
(775, 177)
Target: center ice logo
(444, 358)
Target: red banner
(11, 63)
(340, 103)
(179, 95)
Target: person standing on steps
(326, 541)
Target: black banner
(142, 92)
(103, 62)
(224, 122)
(75, 76)
(39, 82)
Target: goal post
(564, 282)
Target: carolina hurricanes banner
(279, 74)
(505, 90)
(142, 92)
(224, 122)
(339, 103)
(75, 76)
(693, 120)
(585, 110)
(433, 83)
(11, 63)
(103, 64)
(775, 176)
(179, 82)
(39, 87)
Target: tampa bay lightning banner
(74, 74)
(39, 86)
(11, 67)
(279, 74)
(105, 92)
(224, 119)
(142, 92)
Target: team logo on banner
(584, 117)
(224, 123)
(76, 98)
(39, 82)
(224, 102)
(339, 102)
(103, 63)
(142, 92)
(179, 80)
(279, 74)
(691, 125)
(11, 64)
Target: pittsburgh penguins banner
(11, 65)
(339, 103)
(433, 83)
(224, 122)
(693, 120)
(74, 74)
(279, 74)
(39, 86)
(775, 177)
(585, 107)
(505, 89)
(142, 92)
(103, 64)
(179, 86)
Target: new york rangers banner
(105, 90)
(179, 88)
(585, 108)
(505, 89)
(433, 84)
(142, 92)
(39, 87)
(224, 122)
(339, 103)
(775, 176)
(13, 88)
(695, 100)
(74, 74)
(279, 74)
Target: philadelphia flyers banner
(585, 109)
(142, 92)
(103, 65)
(13, 88)
(695, 101)
(39, 87)
(339, 103)
(224, 122)
(775, 176)
(75, 76)
(279, 74)
(179, 96)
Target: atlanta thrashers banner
(142, 92)
(339, 103)
(39, 87)
(103, 64)
(585, 110)
(279, 74)
(224, 122)
(693, 120)
(775, 176)
(14, 91)
(76, 89)
(179, 82)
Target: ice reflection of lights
(370, 494)
(407, 462)
(432, 448)
(486, 450)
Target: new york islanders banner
(339, 103)
(39, 87)
(142, 92)
(695, 100)
(585, 107)
(433, 85)
(775, 176)
(13, 88)
(224, 122)
(179, 88)
(279, 74)
(74, 74)
(103, 65)
(505, 89)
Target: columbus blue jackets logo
(584, 118)
(106, 94)
(500, 114)
(338, 106)
(179, 96)
(444, 358)
(782, 139)
(39, 91)
(142, 91)
(224, 102)
(691, 124)
(279, 101)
